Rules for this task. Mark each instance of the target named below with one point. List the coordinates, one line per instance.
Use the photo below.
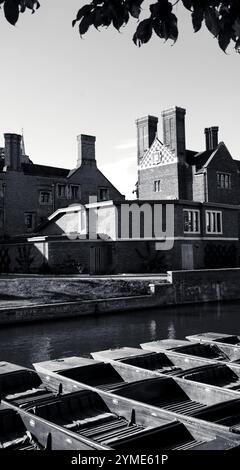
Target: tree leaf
(86, 22)
(134, 9)
(197, 19)
(11, 11)
(224, 39)
(159, 28)
(143, 32)
(85, 10)
(211, 21)
(187, 4)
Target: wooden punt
(168, 397)
(228, 344)
(87, 371)
(14, 435)
(207, 351)
(21, 386)
(87, 415)
(20, 430)
(171, 363)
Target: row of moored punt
(167, 394)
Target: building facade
(29, 193)
(186, 215)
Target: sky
(55, 85)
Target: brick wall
(168, 176)
(22, 192)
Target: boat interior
(101, 375)
(13, 432)
(21, 386)
(162, 392)
(215, 337)
(86, 414)
(207, 351)
(174, 364)
(217, 374)
(226, 413)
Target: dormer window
(224, 180)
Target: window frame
(71, 191)
(221, 180)
(155, 184)
(197, 211)
(213, 232)
(99, 193)
(61, 196)
(44, 203)
(33, 215)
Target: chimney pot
(13, 151)
(86, 149)
(146, 133)
(211, 137)
(174, 131)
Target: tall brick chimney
(86, 149)
(13, 151)
(146, 133)
(174, 131)
(211, 137)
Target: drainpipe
(205, 186)
(53, 197)
(4, 206)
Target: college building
(29, 192)
(185, 215)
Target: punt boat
(174, 364)
(21, 386)
(20, 430)
(87, 415)
(14, 435)
(207, 351)
(167, 396)
(228, 344)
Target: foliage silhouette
(222, 18)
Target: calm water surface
(26, 344)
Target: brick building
(167, 170)
(200, 189)
(29, 193)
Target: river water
(26, 344)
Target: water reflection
(153, 327)
(171, 331)
(26, 344)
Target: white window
(224, 181)
(104, 194)
(213, 222)
(157, 186)
(45, 197)
(61, 191)
(75, 192)
(29, 220)
(191, 221)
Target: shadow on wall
(220, 256)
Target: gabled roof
(202, 159)
(44, 170)
(164, 154)
(237, 163)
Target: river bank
(39, 298)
